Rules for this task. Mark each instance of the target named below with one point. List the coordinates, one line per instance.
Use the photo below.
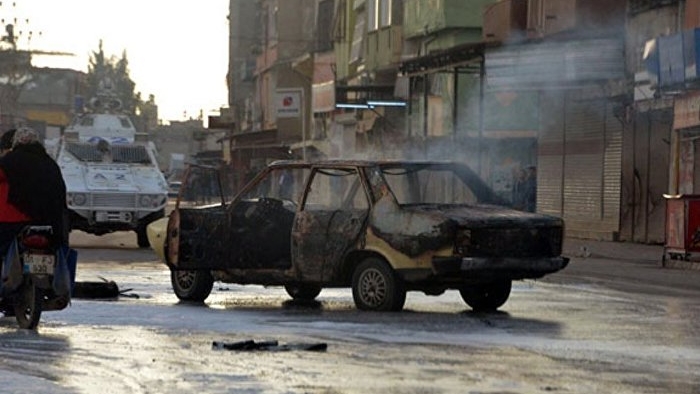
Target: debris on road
(251, 345)
(105, 289)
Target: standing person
(518, 192)
(12, 219)
(31, 190)
(6, 141)
(286, 185)
(531, 189)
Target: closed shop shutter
(583, 164)
(580, 164)
(592, 168)
(550, 156)
(612, 170)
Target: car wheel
(142, 237)
(303, 292)
(486, 297)
(376, 287)
(192, 285)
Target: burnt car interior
(333, 213)
(437, 184)
(254, 232)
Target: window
(638, 6)
(428, 185)
(130, 154)
(384, 13)
(270, 23)
(125, 122)
(284, 184)
(358, 36)
(372, 15)
(379, 14)
(87, 121)
(334, 189)
(324, 25)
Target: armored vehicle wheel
(375, 287)
(486, 297)
(303, 292)
(27, 307)
(192, 285)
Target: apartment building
(561, 85)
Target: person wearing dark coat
(32, 190)
(519, 196)
(6, 141)
(531, 189)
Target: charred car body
(380, 227)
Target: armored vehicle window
(87, 121)
(125, 122)
(130, 154)
(84, 152)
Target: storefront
(580, 162)
(581, 123)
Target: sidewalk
(629, 266)
(613, 250)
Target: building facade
(563, 86)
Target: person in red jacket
(32, 191)
(31, 188)
(11, 218)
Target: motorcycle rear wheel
(28, 305)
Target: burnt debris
(275, 346)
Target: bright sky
(177, 50)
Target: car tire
(142, 229)
(303, 292)
(486, 297)
(191, 285)
(376, 287)
(142, 237)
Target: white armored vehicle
(112, 178)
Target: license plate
(39, 263)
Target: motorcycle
(36, 276)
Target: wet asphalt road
(596, 327)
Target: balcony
(383, 48)
(505, 21)
(427, 17)
(588, 17)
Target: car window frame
(359, 171)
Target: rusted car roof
(360, 162)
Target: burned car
(381, 228)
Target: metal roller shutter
(580, 164)
(550, 160)
(583, 164)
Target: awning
(455, 57)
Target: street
(570, 333)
